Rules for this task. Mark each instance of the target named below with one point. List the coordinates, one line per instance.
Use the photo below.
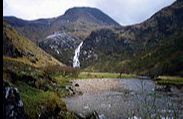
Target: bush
(63, 70)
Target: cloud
(33, 9)
(132, 11)
(123, 11)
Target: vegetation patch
(38, 102)
(61, 82)
(89, 75)
(40, 91)
(170, 80)
(61, 70)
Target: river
(126, 99)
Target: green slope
(19, 48)
(166, 59)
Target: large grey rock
(13, 107)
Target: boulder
(77, 85)
(163, 88)
(13, 107)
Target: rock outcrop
(13, 107)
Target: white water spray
(76, 62)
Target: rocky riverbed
(125, 98)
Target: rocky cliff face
(61, 45)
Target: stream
(126, 99)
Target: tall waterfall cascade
(76, 62)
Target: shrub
(63, 70)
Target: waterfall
(76, 62)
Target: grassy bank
(37, 101)
(40, 92)
(34, 98)
(169, 80)
(89, 75)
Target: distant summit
(92, 14)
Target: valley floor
(114, 98)
(162, 80)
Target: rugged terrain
(61, 35)
(37, 56)
(29, 90)
(153, 47)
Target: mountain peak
(81, 10)
(91, 14)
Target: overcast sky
(125, 12)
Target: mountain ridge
(96, 13)
(80, 24)
(76, 23)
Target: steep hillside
(80, 21)
(19, 48)
(28, 84)
(104, 45)
(161, 25)
(129, 49)
(165, 59)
